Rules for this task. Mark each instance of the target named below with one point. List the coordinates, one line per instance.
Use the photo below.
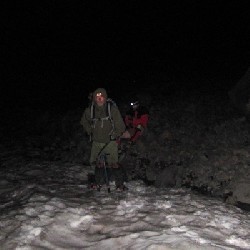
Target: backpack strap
(108, 117)
(110, 103)
(92, 110)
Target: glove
(139, 127)
(113, 138)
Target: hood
(101, 90)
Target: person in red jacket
(136, 120)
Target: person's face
(135, 106)
(100, 99)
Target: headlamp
(99, 94)
(134, 103)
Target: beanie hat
(102, 91)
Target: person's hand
(139, 128)
(113, 138)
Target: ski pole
(105, 172)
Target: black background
(55, 52)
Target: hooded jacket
(137, 120)
(101, 130)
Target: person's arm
(142, 124)
(144, 120)
(119, 125)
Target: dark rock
(241, 192)
(166, 178)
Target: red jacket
(137, 120)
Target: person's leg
(95, 150)
(118, 176)
(97, 177)
(112, 159)
(111, 152)
(107, 153)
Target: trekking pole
(106, 174)
(102, 159)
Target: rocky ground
(197, 140)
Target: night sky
(55, 52)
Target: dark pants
(103, 176)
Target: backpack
(109, 104)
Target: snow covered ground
(46, 205)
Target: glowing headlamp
(99, 94)
(134, 103)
